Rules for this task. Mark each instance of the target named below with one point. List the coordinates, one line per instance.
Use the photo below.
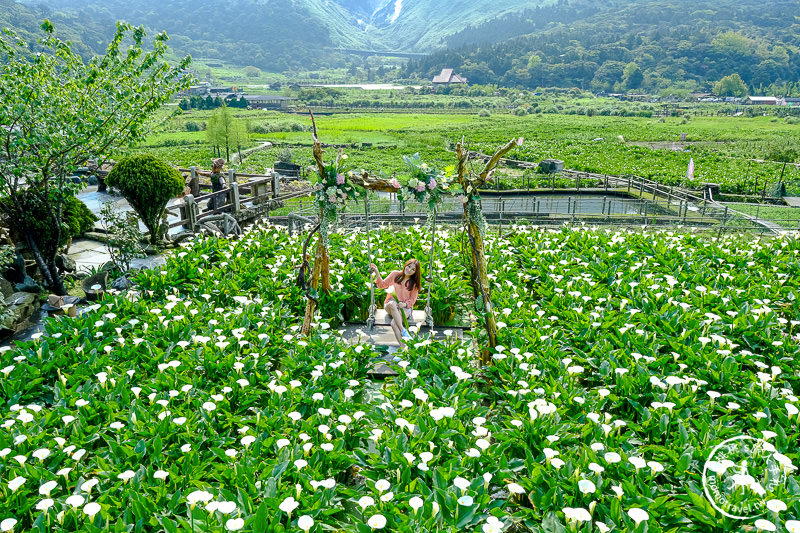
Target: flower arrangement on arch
(425, 184)
(332, 192)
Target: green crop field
(731, 151)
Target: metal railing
(611, 200)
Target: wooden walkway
(382, 337)
(792, 201)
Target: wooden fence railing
(243, 201)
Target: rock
(16, 272)
(21, 306)
(6, 287)
(21, 299)
(122, 283)
(28, 285)
(92, 180)
(65, 263)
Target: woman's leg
(392, 309)
(397, 322)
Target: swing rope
(428, 311)
(372, 307)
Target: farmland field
(625, 358)
(732, 151)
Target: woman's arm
(412, 298)
(384, 283)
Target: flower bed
(625, 358)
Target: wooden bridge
(237, 204)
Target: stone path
(89, 255)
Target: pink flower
(520, 141)
(432, 184)
(462, 198)
(340, 179)
(420, 186)
(394, 183)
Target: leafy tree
(732, 44)
(632, 76)
(148, 184)
(730, 86)
(252, 72)
(76, 218)
(224, 131)
(608, 75)
(58, 112)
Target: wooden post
(321, 271)
(190, 209)
(231, 177)
(629, 185)
(276, 185)
(234, 197)
(479, 276)
(194, 182)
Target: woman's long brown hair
(414, 282)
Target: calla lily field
(193, 403)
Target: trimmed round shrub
(148, 184)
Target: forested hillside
(599, 45)
(621, 46)
(275, 36)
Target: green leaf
(551, 524)
(261, 520)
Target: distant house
(195, 90)
(205, 89)
(791, 102)
(267, 101)
(448, 77)
(761, 100)
(220, 91)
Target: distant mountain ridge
(384, 25)
(626, 45)
(603, 45)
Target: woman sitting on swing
(406, 285)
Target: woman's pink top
(400, 292)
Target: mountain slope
(611, 45)
(274, 35)
(615, 45)
(393, 25)
(420, 25)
